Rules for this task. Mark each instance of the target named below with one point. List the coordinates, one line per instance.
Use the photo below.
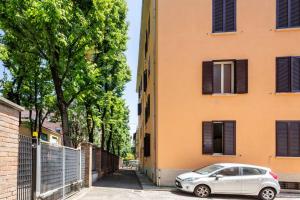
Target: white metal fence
(60, 170)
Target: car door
(229, 183)
(251, 180)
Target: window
(54, 140)
(220, 77)
(219, 138)
(145, 80)
(147, 145)
(44, 137)
(224, 16)
(248, 171)
(288, 138)
(288, 74)
(232, 171)
(147, 109)
(223, 77)
(288, 13)
(139, 109)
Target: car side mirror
(218, 176)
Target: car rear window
(249, 171)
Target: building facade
(219, 81)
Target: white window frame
(222, 75)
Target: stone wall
(9, 143)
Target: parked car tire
(202, 191)
(267, 194)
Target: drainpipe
(157, 173)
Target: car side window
(232, 171)
(248, 171)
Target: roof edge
(11, 104)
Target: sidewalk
(147, 184)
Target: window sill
(222, 33)
(224, 95)
(220, 155)
(287, 29)
(286, 157)
(287, 93)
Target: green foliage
(68, 56)
(129, 156)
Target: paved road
(125, 186)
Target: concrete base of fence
(87, 149)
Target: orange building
(219, 81)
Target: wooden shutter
(230, 15)
(145, 80)
(283, 74)
(294, 139)
(139, 109)
(207, 77)
(147, 145)
(207, 138)
(229, 138)
(241, 77)
(218, 16)
(282, 13)
(295, 13)
(281, 138)
(295, 74)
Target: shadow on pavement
(125, 179)
(185, 194)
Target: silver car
(229, 178)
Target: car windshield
(208, 169)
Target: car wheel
(202, 191)
(267, 194)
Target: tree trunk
(108, 143)
(30, 121)
(65, 126)
(102, 126)
(102, 135)
(40, 121)
(61, 103)
(119, 150)
(89, 122)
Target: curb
(149, 186)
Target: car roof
(241, 165)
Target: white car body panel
(240, 184)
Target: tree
(61, 33)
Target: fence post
(38, 169)
(63, 169)
(80, 167)
(87, 150)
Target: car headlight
(191, 179)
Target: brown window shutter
(241, 76)
(283, 74)
(139, 109)
(294, 139)
(281, 139)
(207, 77)
(147, 145)
(207, 137)
(295, 74)
(145, 80)
(229, 138)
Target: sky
(133, 18)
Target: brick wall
(87, 148)
(9, 129)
